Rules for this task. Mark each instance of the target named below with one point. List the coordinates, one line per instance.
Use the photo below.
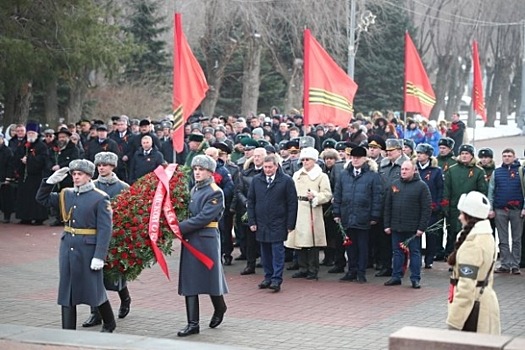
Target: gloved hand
(97, 264)
(57, 176)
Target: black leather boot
(69, 317)
(192, 313)
(125, 301)
(94, 318)
(107, 316)
(220, 308)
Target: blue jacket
(505, 187)
(358, 200)
(432, 138)
(272, 208)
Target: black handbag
(471, 324)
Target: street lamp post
(520, 118)
(366, 18)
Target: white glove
(57, 176)
(97, 264)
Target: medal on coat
(512, 174)
(471, 172)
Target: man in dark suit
(272, 212)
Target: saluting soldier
(87, 214)
(201, 230)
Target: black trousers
(225, 229)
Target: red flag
(478, 101)
(419, 95)
(328, 91)
(189, 84)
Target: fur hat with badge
(106, 158)
(82, 165)
(309, 153)
(474, 204)
(205, 162)
(467, 148)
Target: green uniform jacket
(445, 162)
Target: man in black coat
(272, 213)
(30, 166)
(145, 160)
(456, 132)
(101, 143)
(408, 207)
(7, 192)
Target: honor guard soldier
(87, 215)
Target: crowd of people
(364, 194)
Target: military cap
(447, 142)
(425, 148)
(486, 152)
(204, 118)
(409, 143)
(82, 165)
(306, 141)
(167, 124)
(282, 144)
(392, 144)
(267, 124)
(340, 146)
(195, 137)
(205, 162)
(223, 146)
(195, 126)
(63, 131)
(49, 132)
(358, 152)
(102, 127)
(238, 138)
(220, 128)
(208, 130)
(144, 122)
(106, 158)
(263, 143)
(328, 143)
(134, 122)
(376, 141)
(270, 148)
(467, 148)
(249, 143)
(98, 122)
(293, 145)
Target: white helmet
(475, 204)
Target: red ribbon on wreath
(162, 203)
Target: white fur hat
(106, 158)
(310, 153)
(204, 161)
(475, 204)
(83, 165)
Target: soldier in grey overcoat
(87, 215)
(201, 230)
(108, 181)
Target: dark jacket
(358, 200)
(90, 209)
(142, 164)
(240, 200)
(433, 177)
(457, 132)
(94, 146)
(6, 163)
(408, 205)
(62, 158)
(224, 179)
(272, 208)
(505, 187)
(206, 206)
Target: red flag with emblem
(189, 84)
(419, 95)
(478, 102)
(328, 91)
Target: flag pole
(306, 70)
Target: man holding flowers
(408, 207)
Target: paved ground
(305, 315)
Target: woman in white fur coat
(313, 190)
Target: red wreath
(130, 249)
